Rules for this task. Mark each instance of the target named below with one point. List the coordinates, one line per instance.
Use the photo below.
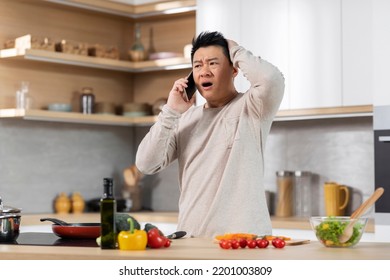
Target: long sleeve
(158, 148)
(267, 82)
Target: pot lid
(9, 209)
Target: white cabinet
(324, 48)
(357, 54)
(381, 51)
(219, 15)
(315, 53)
(258, 25)
(264, 27)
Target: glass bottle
(107, 216)
(137, 51)
(87, 100)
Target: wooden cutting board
(294, 242)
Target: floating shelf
(72, 117)
(325, 113)
(133, 11)
(95, 62)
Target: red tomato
(235, 244)
(251, 243)
(278, 243)
(262, 243)
(225, 244)
(243, 242)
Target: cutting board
(294, 242)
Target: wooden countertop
(190, 248)
(198, 248)
(171, 217)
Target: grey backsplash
(38, 160)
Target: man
(219, 146)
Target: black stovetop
(50, 239)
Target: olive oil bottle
(107, 216)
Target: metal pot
(9, 223)
(9, 227)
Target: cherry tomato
(243, 242)
(262, 243)
(278, 243)
(251, 243)
(235, 244)
(225, 244)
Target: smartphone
(190, 90)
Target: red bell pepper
(156, 240)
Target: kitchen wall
(338, 150)
(38, 160)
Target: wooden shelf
(95, 62)
(72, 117)
(325, 113)
(131, 10)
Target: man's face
(213, 74)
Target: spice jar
(87, 100)
(285, 194)
(62, 204)
(78, 203)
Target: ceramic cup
(336, 199)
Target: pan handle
(55, 221)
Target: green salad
(329, 230)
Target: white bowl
(60, 107)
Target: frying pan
(74, 230)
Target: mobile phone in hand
(191, 88)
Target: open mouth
(207, 84)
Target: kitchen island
(189, 248)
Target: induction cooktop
(50, 239)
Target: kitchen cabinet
(266, 36)
(314, 43)
(381, 47)
(56, 77)
(314, 54)
(357, 55)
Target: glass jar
(303, 193)
(285, 194)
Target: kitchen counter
(189, 248)
(199, 248)
(296, 223)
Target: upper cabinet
(357, 52)
(267, 36)
(322, 47)
(381, 47)
(314, 53)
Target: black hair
(206, 39)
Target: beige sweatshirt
(220, 152)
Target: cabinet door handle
(384, 138)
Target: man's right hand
(176, 100)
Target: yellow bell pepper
(133, 239)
